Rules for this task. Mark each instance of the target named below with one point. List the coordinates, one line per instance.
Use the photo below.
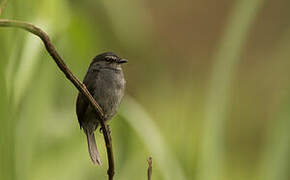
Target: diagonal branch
(69, 75)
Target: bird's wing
(81, 107)
(82, 102)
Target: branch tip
(149, 170)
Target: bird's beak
(121, 61)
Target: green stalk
(226, 60)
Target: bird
(106, 83)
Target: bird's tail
(94, 153)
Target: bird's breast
(110, 91)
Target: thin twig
(69, 75)
(149, 170)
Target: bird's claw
(108, 128)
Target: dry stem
(149, 170)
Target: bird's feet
(108, 128)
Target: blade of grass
(7, 165)
(145, 127)
(226, 59)
(27, 67)
(274, 160)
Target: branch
(69, 75)
(149, 170)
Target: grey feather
(105, 81)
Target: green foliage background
(208, 92)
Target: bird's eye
(111, 59)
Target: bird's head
(108, 60)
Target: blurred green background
(208, 89)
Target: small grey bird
(105, 81)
